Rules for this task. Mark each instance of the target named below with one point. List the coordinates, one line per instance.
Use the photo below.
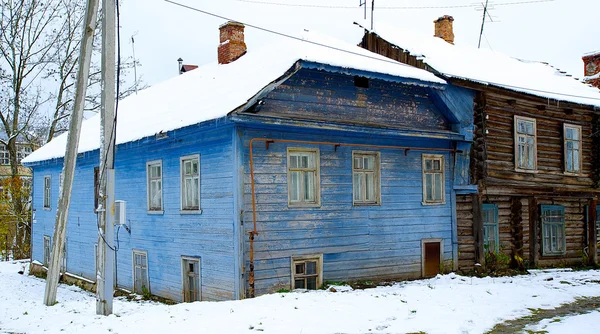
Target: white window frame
(442, 171)
(317, 177)
(183, 177)
(305, 258)
(566, 150)
(47, 250)
(376, 171)
(135, 252)
(47, 192)
(517, 135)
(184, 279)
(149, 187)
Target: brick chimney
(231, 39)
(591, 68)
(443, 28)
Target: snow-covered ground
(445, 304)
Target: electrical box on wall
(120, 209)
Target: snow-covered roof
(213, 90)
(491, 68)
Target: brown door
(432, 259)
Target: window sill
(433, 203)
(303, 205)
(572, 174)
(366, 204)
(528, 171)
(48, 209)
(155, 212)
(190, 212)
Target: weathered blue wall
(166, 237)
(313, 94)
(357, 242)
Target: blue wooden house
(280, 168)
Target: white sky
(558, 32)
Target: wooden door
(431, 258)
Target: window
(96, 187)
(303, 177)
(365, 178)
(433, 179)
(306, 272)
(191, 279)
(4, 155)
(553, 229)
(154, 173)
(490, 227)
(47, 191)
(47, 249)
(140, 272)
(190, 183)
(572, 138)
(525, 143)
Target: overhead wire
(364, 55)
(472, 5)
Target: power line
(389, 7)
(364, 55)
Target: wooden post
(592, 233)
(478, 229)
(60, 229)
(534, 227)
(106, 254)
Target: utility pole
(106, 250)
(372, 12)
(60, 228)
(485, 8)
(134, 66)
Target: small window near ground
(490, 227)
(154, 174)
(303, 177)
(572, 138)
(433, 179)
(525, 143)
(47, 249)
(365, 178)
(307, 272)
(190, 183)
(47, 191)
(191, 279)
(141, 285)
(553, 229)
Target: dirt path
(580, 306)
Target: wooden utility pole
(106, 250)
(60, 228)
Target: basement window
(361, 82)
(141, 285)
(47, 249)
(553, 229)
(307, 272)
(191, 279)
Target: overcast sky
(558, 32)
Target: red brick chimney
(231, 39)
(591, 69)
(443, 28)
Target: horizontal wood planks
(166, 236)
(357, 242)
(316, 95)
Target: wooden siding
(357, 242)
(313, 95)
(166, 237)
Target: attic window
(361, 82)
